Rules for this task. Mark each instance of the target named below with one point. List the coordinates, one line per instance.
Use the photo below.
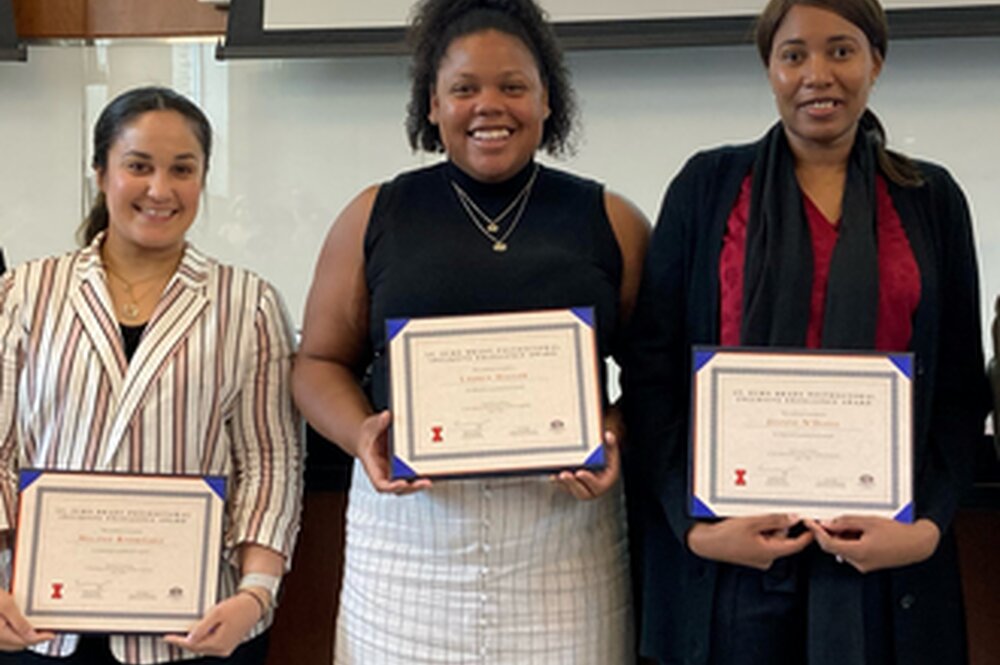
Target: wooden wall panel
(303, 630)
(50, 18)
(142, 18)
(978, 533)
(85, 19)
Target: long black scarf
(778, 271)
(777, 293)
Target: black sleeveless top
(424, 256)
(131, 335)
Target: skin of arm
(632, 231)
(333, 347)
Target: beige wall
(298, 138)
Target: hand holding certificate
(115, 552)
(16, 633)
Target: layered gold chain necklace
(131, 307)
(490, 226)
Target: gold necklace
(131, 309)
(490, 226)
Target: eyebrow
(842, 38)
(145, 155)
(798, 41)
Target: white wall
(298, 138)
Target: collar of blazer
(184, 299)
(193, 270)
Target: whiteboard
(335, 28)
(333, 15)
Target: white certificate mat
(117, 553)
(495, 393)
(818, 434)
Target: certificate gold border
(588, 452)
(206, 493)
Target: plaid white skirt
(508, 571)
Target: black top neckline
(131, 335)
(478, 189)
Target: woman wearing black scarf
(815, 236)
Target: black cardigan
(679, 307)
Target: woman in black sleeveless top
(514, 570)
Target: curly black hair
(437, 23)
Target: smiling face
(822, 69)
(489, 104)
(152, 183)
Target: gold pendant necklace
(131, 309)
(490, 226)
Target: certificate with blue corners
(817, 434)
(117, 553)
(494, 394)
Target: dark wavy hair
(122, 111)
(870, 18)
(437, 23)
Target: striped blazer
(206, 392)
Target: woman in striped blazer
(138, 354)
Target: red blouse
(899, 275)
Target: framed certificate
(117, 553)
(494, 394)
(818, 434)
